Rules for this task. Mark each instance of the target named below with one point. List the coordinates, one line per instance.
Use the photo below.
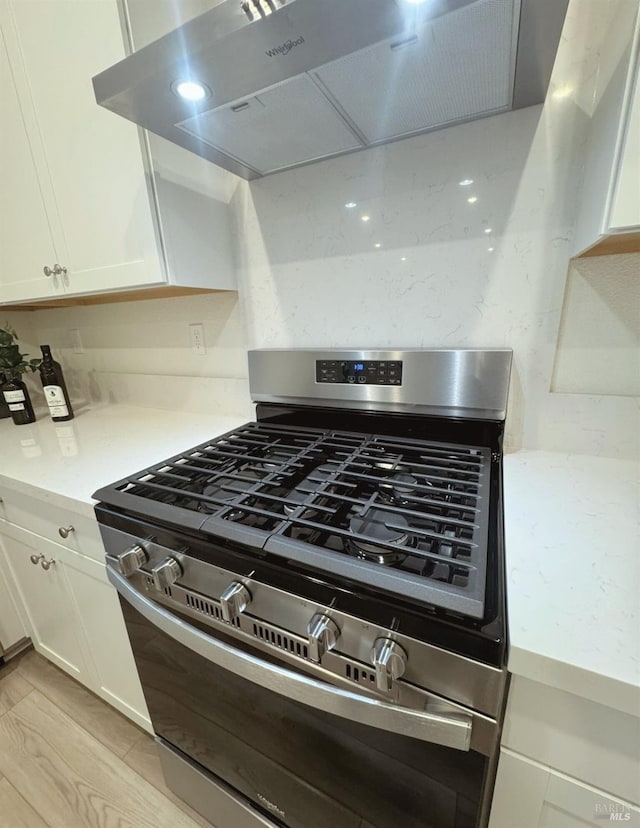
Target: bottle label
(56, 401)
(14, 396)
(16, 406)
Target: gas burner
(398, 488)
(226, 489)
(294, 499)
(222, 489)
(271, 461)
(372, 525)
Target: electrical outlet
(78, 348)
(196, 332)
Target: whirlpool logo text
(284, 48)
(271, 805)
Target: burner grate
(406, 515)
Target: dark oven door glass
(304, 767)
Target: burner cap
(398, 487)
(372, 525)
(224, 488)
(294, 499)
(271, 461)
(214, 489)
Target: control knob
(323, 634)
(166, 573)
(234, 601)
(390, 662)
(131, 559)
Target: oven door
(308, 754)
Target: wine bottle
(17, 399)
(55, 388)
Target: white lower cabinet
(50, 616)
(530, 795)
(73, 616)
(12, 629)
(99, 609)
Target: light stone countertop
(572, 526)
(64, 463)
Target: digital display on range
(369, 372)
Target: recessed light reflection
(487, 230)
(490, 249)
(562, 92)
(377, 244)
(403, 258)
(465, 182)
(350, 205)
(365, 218)
(190, 90)
(472, 199)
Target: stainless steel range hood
(310, 79)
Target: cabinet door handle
(35, 559)
(47, 564)
(47, 271)
(65, 531)
(59, 269)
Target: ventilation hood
(287, 82)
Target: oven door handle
(452, 730)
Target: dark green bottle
(55, 388)
(17, 399)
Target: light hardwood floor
(68, 760)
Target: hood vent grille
(294, 82)
(253, 134)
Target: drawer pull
(47, 564)
(65, 531)
(35, 559)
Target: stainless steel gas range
(315, 600)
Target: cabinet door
(26, 244)
(92, 160)
(104, 629)
(12, 629)
(531, 795)
(625, 207)
(46, 597)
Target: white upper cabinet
(116, 220)
(26, 244)
(625, 207)
(609, 216)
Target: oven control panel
(365, 372)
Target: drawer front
(76, 532)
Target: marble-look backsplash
(458, 238)
(139, 353)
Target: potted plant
(13, 364)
